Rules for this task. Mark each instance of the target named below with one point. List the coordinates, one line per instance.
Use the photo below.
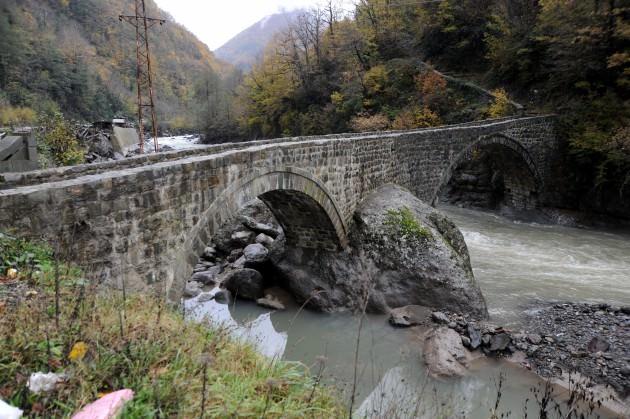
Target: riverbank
(56, 322)
(593, 339)
(561, 340)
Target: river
(519, 266)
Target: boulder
(257, 227)
(409, 316)
(255, 254)
(444, 353)
(475, 336)
(239, 263)
(598, 344)
(426, 265)
(271, 303)
(242, 238)
(209, 276)
(439, 317)
(500, 342)
(192, 289)
(264, 239)
(245, 283)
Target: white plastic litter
(9, 412)
(39, 382)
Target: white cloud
(216, 22)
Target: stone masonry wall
(147, 220)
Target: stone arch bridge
(148, 218)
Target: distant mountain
(76, 56)
(244, 49)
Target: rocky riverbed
(592, 340)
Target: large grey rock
(409, 316)
(598, 344)
(192, 289)
(500, 342)
(242, 238)
(475, 336)
(430, 269)
(245, 283)
(271, 303)
(264, 239)
(208, 276)
(444, 353)
(257, 227)
(440, 318)
(255, 253)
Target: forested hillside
(329, 73)
(245, 48)
(77, 57)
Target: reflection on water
(517, 265)
(259, 332)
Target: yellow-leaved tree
(501, 106)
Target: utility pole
(142, 23)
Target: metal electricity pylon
(142, 23)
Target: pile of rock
(238, 261)
(453, 339)
(98, 143)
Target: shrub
(57, 143)
(416, 117)
(365, 123)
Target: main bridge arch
(523, 180)
(300, 203)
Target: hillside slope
(245, 48)
(76, 56)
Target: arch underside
(513, 178)
(300, 203)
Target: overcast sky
(216, 22)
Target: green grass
(21, 254)
(142, 344)
(406, 224)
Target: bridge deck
(85, 171)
